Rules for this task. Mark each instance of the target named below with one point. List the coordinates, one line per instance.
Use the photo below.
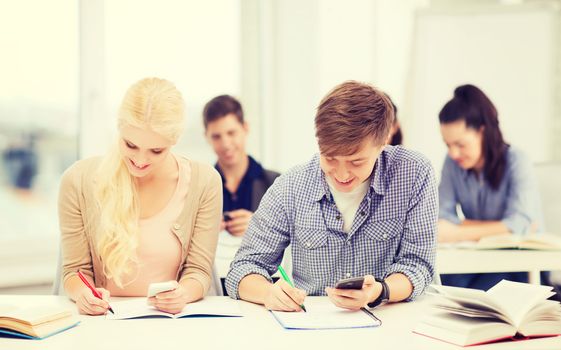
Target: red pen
(94, 291)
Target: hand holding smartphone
(350, 283)
(155, 288)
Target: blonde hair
(151, 103)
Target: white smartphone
(155, 288)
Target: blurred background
(65, 65)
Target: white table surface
(256, 330)
(457, 260)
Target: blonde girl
(141, 214)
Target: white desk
(456, 260)
(256, 330)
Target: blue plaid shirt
(394, 230)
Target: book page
(542, 241)
(517, 299)
(325, 316)
(34, 315)
(471, 298)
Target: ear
(246, 126)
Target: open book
(207, 307)
(509, 310)
(541, 241)
(322, 314)
(35, 322)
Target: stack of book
(35, 322)
(507, 311)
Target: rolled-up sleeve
(447, 198)
(521, 195)
(265, 240)
(416, 257)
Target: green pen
(285, 277)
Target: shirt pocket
(384, 230)
(312, 254)
(382, 239)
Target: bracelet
(384, 294)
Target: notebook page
(325, 316)
(212, 306)
(133, 308)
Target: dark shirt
(242, 198)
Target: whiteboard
(510, 52)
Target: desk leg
(534, 277)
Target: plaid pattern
(394, 229)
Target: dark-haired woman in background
(492, 182)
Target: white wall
(509, 52)
(312, 46)
(196, 45)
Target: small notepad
(324, 315)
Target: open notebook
(322, 314)
(208, 307)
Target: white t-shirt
(348, 202)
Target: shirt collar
(320, 188)
(254, 171)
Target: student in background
(244, 180)
(491, 181)
(140, 214)
(356, 209)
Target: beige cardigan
(196, 228)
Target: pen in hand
(94, 291)
(285, 277)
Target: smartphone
(350, 283)
(155, 288)
(227, 217)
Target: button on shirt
(397, 234)
(516, 202)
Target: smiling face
(345, 173)
(227, 136)
(143, 150)
(464, 144)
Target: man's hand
(354, 299)
(239, 221)
(283, 297)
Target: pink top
(159, 249)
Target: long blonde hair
(150, 103)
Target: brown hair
(476, 109)
(221, 106)
(351, 113)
